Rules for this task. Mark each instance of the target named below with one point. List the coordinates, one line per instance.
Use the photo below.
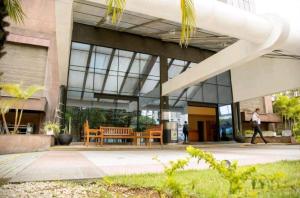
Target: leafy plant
(115, 9)
(16, 91)
(68, 129)
(188, 21)
(236, 177)
(14, 10)
(175, 188)
(52, 126)
(229, 171)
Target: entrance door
(201, 131)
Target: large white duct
(217, 17)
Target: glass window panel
(120, 81)
(101, 63)
(111, 84)
(125, 54)
(103, 50)
(80, 46)
(174, 71)
(210, 93)
(88, 96)
(89, 81)
(129, 86)
(179, 63)
(74, 94)
(79, 58)
(224, 79)
(176, 93)
(181, 103)
(78, 68)
(98, 82)
(212, 80)
(195, 94)
(148, 86)
(225, 96)
(76, 79)
(155, 71)
(120, 63)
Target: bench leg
(161, 141)
(150, 142)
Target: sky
(288, 9)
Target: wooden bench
(90, 133)
(155, 132)
(117, 133)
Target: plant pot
(65, 139)
(49, 132)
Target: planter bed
(24, 143)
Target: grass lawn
(208, 183)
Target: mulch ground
(74, 189)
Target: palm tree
(16, 91)
(115, 9)
(5, 106)
(12, 9)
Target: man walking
(185, 131)
(256, 126)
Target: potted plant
(65, 138)
(52, 128)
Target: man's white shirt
(255, 117)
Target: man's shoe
(253, 143)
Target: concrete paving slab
(59, 165)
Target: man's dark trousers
(257, 130)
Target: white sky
(288, 9)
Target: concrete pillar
(236, 119)
(164, 100)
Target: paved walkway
(76, 164)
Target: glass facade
(112, 87)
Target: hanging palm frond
(188, 21)
(115, 10)
(16, 91)
(14, 10)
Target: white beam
(237, 54)
(264, 76)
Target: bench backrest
(156, 130)
(116, 131)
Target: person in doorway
(185, 131)
(256, 126)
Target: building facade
(114, 74)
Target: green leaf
(115, 9)
(14, 10)
(188, 21)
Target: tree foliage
(19, 95)
(289, 109)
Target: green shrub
(236, 177)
